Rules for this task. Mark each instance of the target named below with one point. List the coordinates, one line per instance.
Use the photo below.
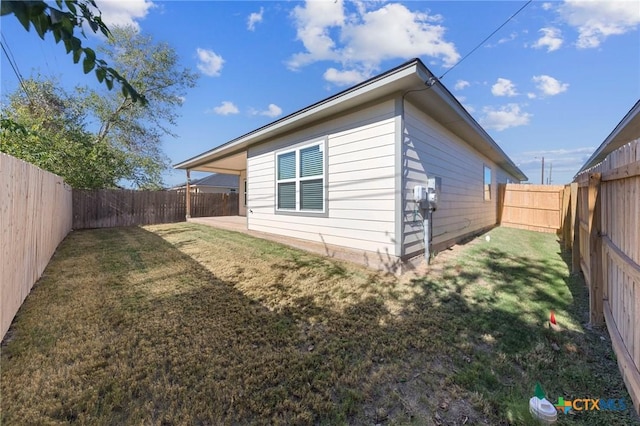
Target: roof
(218, 180)
(626, 131)
(438, 102)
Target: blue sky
(553, 82)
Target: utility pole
(542, 173)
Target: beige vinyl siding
(430, 149)
(360, 178)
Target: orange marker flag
(552, 318)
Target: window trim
(484, 179)
(322, 143)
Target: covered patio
(234, 164)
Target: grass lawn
(185, 324)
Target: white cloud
(504, 117)
(463, 99)
(209, 62)
(551, 39)
(549, 86)
(597, 20)
(343, 78)
(531, 95)
(313, 21)
(360, 39)
(225, 108)
(504, 87)
(272, 111)
(461, 84)
(547, 6)
(511, 37)
(124, 12)
(254, 18)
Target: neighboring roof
(217, 180)
(626, 131)
(438, 102)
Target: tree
(153, 68)
(47, 128)
(64, 22)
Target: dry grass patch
(185, 324)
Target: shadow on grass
(147, 334)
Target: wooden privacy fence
(105, 208)
(35, 217)
(606, 249)
(533, 207)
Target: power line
(486, 38)
(14, 65)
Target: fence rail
(35, 217)
(105, 208)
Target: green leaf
(56, 16)
(101, 74)
(88, 64)
(37, 8)
(71, 5)
(76, 55)
(67, 25)
(57, 34)
(109, 83)
(90, 53)
(6, 7)
(67, 45)
(21, 12)
(41, 24)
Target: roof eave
(258, 135)
(616, 138)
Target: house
(342, 171)
(216, 183)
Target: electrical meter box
(427, 197)
(419, 193)
(434, 186)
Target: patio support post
(188, 194)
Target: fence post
(575, 220)
(596, 295)
(574, 208)
(565, 217)
(188, 195)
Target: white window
(300, 179)
(487, 183)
